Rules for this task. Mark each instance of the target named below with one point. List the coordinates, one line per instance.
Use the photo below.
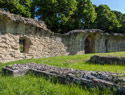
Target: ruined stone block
(107, 60)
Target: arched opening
(24, 44)
(106, 45)
(89, 45)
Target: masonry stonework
(40, 42)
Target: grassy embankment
(31, 85)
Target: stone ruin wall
(41, 42)
(99, 42)
(110, 43)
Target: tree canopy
(56, 12)
(64, 15)
(106, 19)
(20, 7)
(121, 19)
(83, 16)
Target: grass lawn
(31, 85)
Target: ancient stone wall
(39, 47)
(110, 42)
(77, 41)
(40, 42)
(97, 41)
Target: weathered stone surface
(84, 78)
(107, 60)
(41, 42)
(18, 19)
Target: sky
(118, 5)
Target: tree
(20, 7)
(106, 19)
(84, 15)
(65, 15)
(56, 12)
(119, 15)
(121, 19)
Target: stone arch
(89, 44)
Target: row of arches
(89, 44)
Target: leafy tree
(119, 15)
(86, 12)
(121, 19)
(106, 19)
(20, 7)
(2, 2)
(56, 12)
(65, 15)
(84, 15)
(122, 29)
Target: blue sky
(118, 5)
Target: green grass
(32, 85)
(76, 62)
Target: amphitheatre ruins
(24, 38)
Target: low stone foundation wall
(107, 60)
(87, 79)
